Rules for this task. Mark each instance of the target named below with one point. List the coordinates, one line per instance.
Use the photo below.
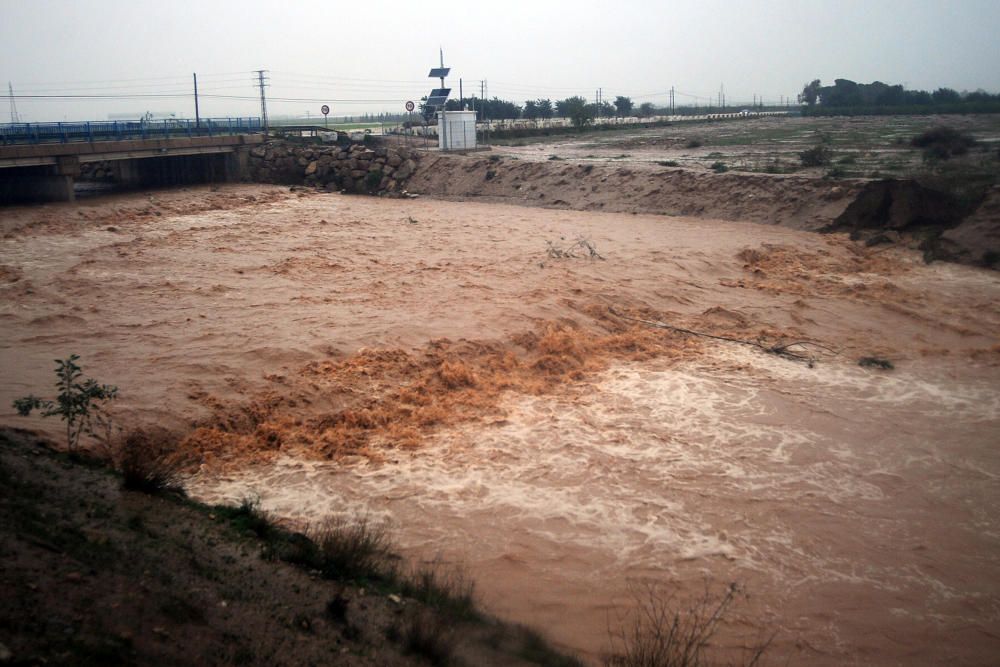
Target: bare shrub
(661, 632)
(581, 247)
(817, 156)
(146, 459)
(942, 142)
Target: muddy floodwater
(442, 365)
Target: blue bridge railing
(112, 130)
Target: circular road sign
(409, 106)
(325, 109)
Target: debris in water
(875, 362)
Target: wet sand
(858, 506)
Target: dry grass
(147, 460)
(354, 549)
(429, 636)
(442, 587)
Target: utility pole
(262, 82)
(461, 96)
(197, 116)
(671, 100)
(14, 118)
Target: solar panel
(437, 92)
(439, 72)
(437, 100)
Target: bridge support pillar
(35, 184)
(237, 165)
(126, 173)
(58, 187)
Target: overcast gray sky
(373, 55)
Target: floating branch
(780, 349)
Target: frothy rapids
(833, 492)
(430, 363)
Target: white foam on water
(737, 462)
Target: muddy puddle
(858, 507)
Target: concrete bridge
(46, 170)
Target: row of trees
(847, 93)
(577, 109)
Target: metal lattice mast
(262, 82)
(14, 118)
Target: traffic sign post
(326, 110)
(409, 115)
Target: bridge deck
(89, 131)
(28, 155)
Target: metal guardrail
(112, 130)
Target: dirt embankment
(799, 203)
(885, 211)
(899, 211)
(978, 236)
(95, 575)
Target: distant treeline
(847, 98)
(577, 109)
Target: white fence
(539, 124)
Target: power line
(345, 78)
(149, 79)
(136, 87)
(187, 94)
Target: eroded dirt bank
(636, 187)
(890, 211)
(485, 396)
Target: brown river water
(559, 452)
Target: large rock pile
(354, 168)
(99, 172)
